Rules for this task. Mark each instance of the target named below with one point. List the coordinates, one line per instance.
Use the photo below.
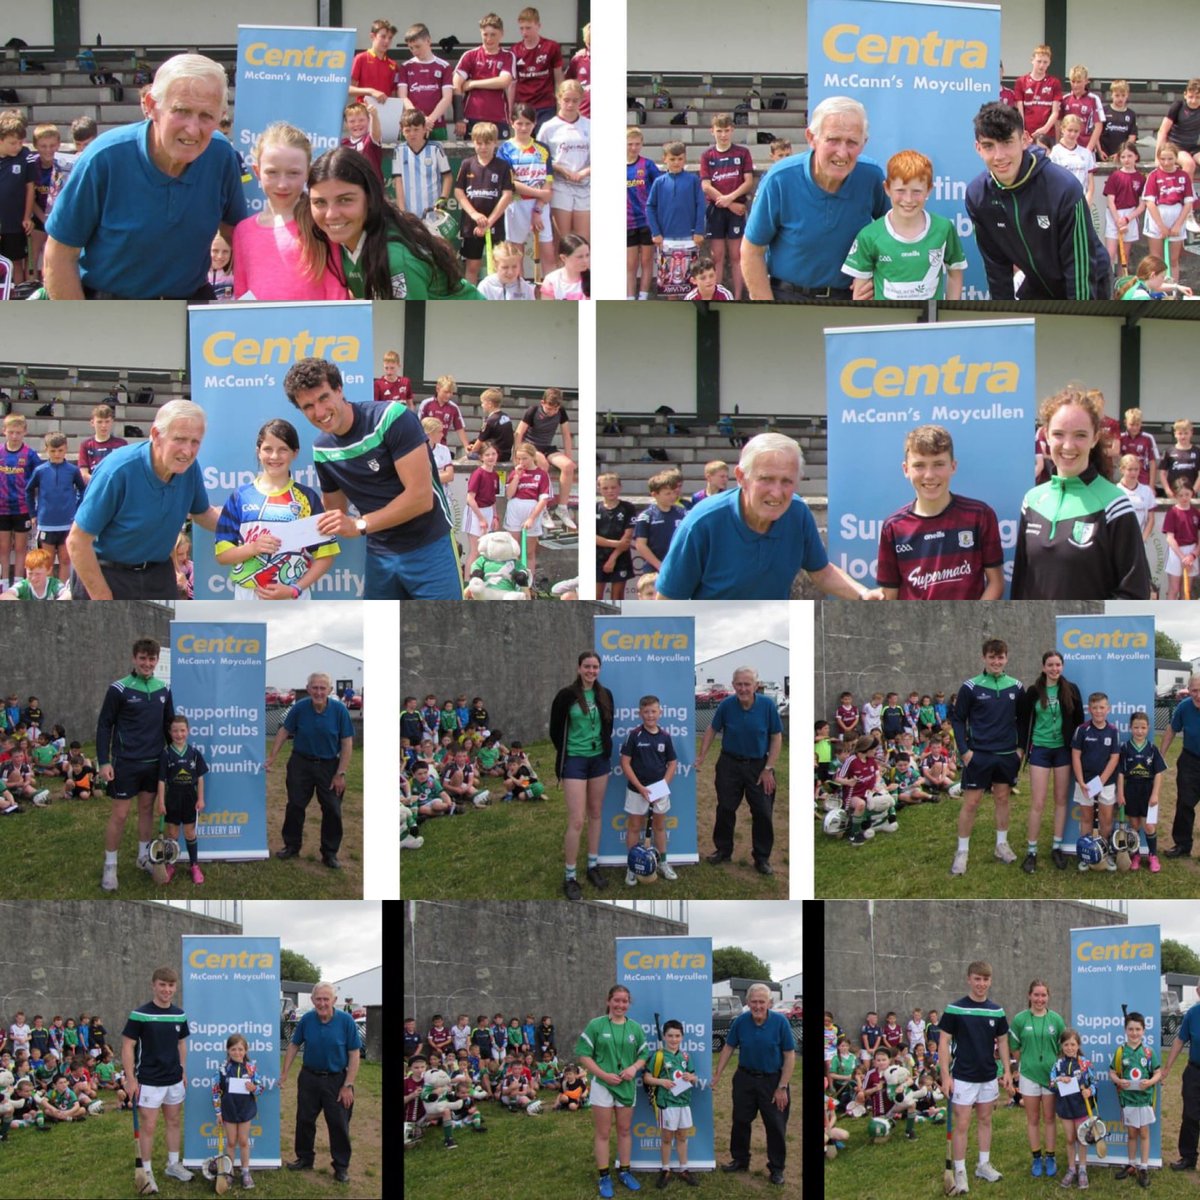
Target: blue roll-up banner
(975, 378)
(922, 70)
(295, 74)
(231, 985)
(651, 656)
(1113, 965)
(239, 354)
(672, 977)
(1113, 655)
(219, 682)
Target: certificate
(237, 1086)
(1069, 1087)
(658, 791)
(680, 1085)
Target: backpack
(741, 114)
(777, 101)
(144, 396)
(662, 98)
(142, 74)
(27, 393)
(636, 110)
(9, 96)
(765, 138)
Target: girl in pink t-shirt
(267, 259)
(567, 283)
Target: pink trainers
(170, 872)
(1155, 865)
(1135, 862)
(197, 874)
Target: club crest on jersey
(966, 539)
(1043, 221)
(1082, 533)
(373, 463)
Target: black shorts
(181, 807)
(15, 523)
(132, 778)
(639, 237)
(1137, 801)
(53, 537)
(986, 768)
(622, 571)
(13, 245)
(503, 129)
(473, 247)
(723, 223)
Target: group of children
(622, 531)
(34, 760)
(451, 761)
(508, 1062)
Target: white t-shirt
(1142, 499)
(871, 714)
(1081, 162)
(916, 1034)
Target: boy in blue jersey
(377, 457)
(181, 771)
(648, 758)
(1095, 752)
(656, 525)
(54, 492)
(976, 1026)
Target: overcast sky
(341, 937)
(724, 625)
(1172, 619)
(1177, 918)
(289, 626)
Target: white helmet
(534, 1108)
(412, 1133)
(836, 823)
(481, 799)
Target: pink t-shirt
(266, 262)
(556, 286)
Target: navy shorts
(581, 766)
(132, 778)
(721, 223)
(1050, 756)
(639, 237)
(986, 768)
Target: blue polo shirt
(144, 233)
(1186, 720)
(1189, 1032)
(761, 1047)
(327, 1047)
(808, 231)
(318, 734)
(747, 732)
(715, 555)
(133, 514)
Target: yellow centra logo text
(260, 54)
(847, 43)
(1112, 639)
(1090, 952)
(245, 960)
(225, 347)
(864, 377)
(189, 643)
(636, 960)
(613, 639)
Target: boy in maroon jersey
(859, 775)
(426, 82)
(1087, 106)
(482, 77)
(940, 546)
(539, 68)
(726, 177)
(393, 385)
(1039, 96)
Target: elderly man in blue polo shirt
(766, 1050)
(324, 738)
(1188, 1035)
(331, 1053)
(809, 209)
(134, 509)
(136, 217)
(1186, 720)
(751, 739)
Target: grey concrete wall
(516, 656)
(914, 953)
(516, 957)
(865, 648)
(67, 654)
(91, 956)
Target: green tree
(293, 965)
(1167, 647)
(733, 960)
(1178, 958)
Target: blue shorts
(1049, 756)
(427, 573)
(723, 224)
(580, 766)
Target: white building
(769, 659)
(292, 670)
(792, 988)
(364, 989)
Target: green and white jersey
(904, 268)
(24, 589)
(671, 1063)
(1036, 1040)
(613, 1046)
(1136, 1064)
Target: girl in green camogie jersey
(350, 227)
(613, 1050)
(1048, 713)
(1033, 1035)
(581, 724)
(1079, 538)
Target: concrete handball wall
(68, 654)
(514, 958)
(915, 953)
(898, 647)
(516, 656)
(91, 956)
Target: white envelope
(293, 536)
(1094, 787)
(237, 1086)
(1070, 1087)
(658, 791)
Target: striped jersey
(421, 174)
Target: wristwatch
(360, 524)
